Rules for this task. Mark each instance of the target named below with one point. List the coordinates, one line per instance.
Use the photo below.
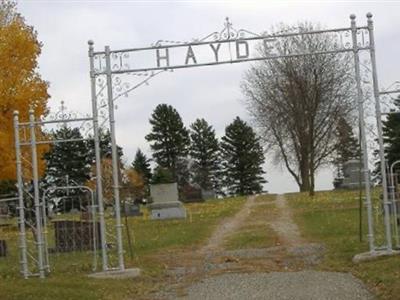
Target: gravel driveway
(304, 285)
(292, 253)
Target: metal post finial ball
(369, 15)
(352, 16)
(16, 113)
(90, 42)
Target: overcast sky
(213, 93)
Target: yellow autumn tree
(21, 86)
(131, 182)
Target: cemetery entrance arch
(110, 71)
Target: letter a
(190, 55)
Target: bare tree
(297, 101)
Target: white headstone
(166, 192)
(165, 202)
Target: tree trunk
(305, 175)
(312, 183)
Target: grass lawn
(68, 279)
(333, 219)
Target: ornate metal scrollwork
(227, 33)
(99, 63)
(62, 116)
(362, 37)
(392, 92)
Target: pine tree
(162, 175)
(67, 163)
(105, 145)
(204, 152)
(169, 141)
(391, 138)
(242, 157)
(141, 164)
(347, 148)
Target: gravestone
(165, 202)
(352, 170)
(130, 209)
(3, 248)
(207, 194)
(191, 193)
(3, 210)
(75, 235)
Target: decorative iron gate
(110, 73)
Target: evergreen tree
(162, 175)
(67, 163)
(105, 145)
(169, 141)
(391, 138)
(204, 152)
(141, 164)
(242, 157)
(347, 148)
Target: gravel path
(228, 227)
(284, 225)
(304, 285)
(294, 251)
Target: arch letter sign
(225, 47)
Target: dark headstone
(3, 248)
(352, 175)
(207, 194)
(132, 210)
(191, 193)
(3, 210)
(75, 236)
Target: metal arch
(351, 39)
(121, 59)
(230, 40)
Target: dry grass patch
(332, 218)
(152, 239)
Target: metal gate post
(35, 177)
(378, 114)
(115, 162)
(394, 202)
(99, 183)
(363, 139)
(21, 205)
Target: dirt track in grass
(212, 272)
